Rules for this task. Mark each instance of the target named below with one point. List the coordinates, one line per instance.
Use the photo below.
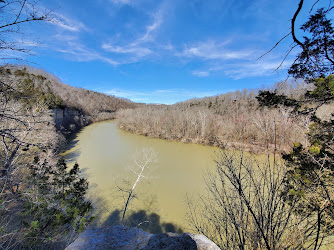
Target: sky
(164, 51)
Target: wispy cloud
(162, 96)
(218, 57)
(201, 73)
(29, 43)
(137, 51)
(211, 56)
(120, 54)
(121, 1)
(139, 48)
(67, 23)
(65, 38)
(80, 53)
(213, 50)
(256, 68)
(249, 68)
(157, 21)
(116, 51)
(71, 43)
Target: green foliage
(59, 204)
(324, 89)
(272, 99)
(314, 150)
(40, 77)
(311, 167)
(310, 176)
(31, 94)
(304, 161)
(21, 72)
(316, 58)
(51, 100)
(34, 224)
(322, 93)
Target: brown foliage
(96, 105)
(232, 119)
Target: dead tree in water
(142, 165)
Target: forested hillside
(231, 119)
(42, 202)
(96, 105)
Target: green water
(105, 153)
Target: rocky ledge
(120, 237)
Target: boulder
(120, 237)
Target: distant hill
(232, 119)
(97, 105)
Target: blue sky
(164, 51)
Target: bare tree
(143, 164)
(244, 208)
(23, 130)
(26, 129)
(13, 15)
(16, 123)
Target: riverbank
(42, 201)
(217, 142)
(230, 123)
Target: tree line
(233, 119)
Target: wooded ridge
(233, 119)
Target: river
(105, 153)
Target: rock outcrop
(68, 119)
(119, 237)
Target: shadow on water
(72, 156)
(71, 140)
(70, 143)
(148, 222)
(146, 218)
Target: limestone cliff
(69, 119)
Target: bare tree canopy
(244, 208)
(14, 14)
(143, 164)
